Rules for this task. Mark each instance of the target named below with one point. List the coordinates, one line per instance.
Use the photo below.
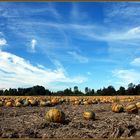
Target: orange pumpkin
(89, 115)
(117, 108)
(55, 115)
(1, 103)
(8, 104)
(76, 103)
(138, 105)
(131, 108)
(18, 104)
(54, 101)
(85, 102)
(25, 102)
(18, 100)
(95, 102)
(33, 102)
(90, 102)
(43, 103)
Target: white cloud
(78, 57)
(33, 45)
(3, 42)
(124, 76)
(136, 62)
(94, 32)
(18, 72)
(134, 31)
(131, 34)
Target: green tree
(86, 90)
(99, 92)
(6, 92)
(75, 88)
(1, 92)
(121, 91)
(131, 89)
(131, 85)
(137, 89)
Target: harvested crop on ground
(30, 122)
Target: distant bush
(41, 91)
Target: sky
(64, 44)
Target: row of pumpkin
(40, 101)
(18, 102)
(55, 115)
(9, 102)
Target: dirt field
(29, 121)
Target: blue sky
(63, 44)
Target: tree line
(40, 90)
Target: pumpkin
(115, 99)
(117, 108)
(1, 103)
(130, 100)
(55, 115)
(54, 101)
(89, 115)
(76, 103)
(131, 108)
(138, 105)
(43, 103)
(25, 102)
(48, 103)
(33, 102)
(98, 99)
(18, 104)
(90, 102)
(8, 104)
(85, 103)
(67, 101)
(18, 100)
(95, 102)
(61, 100)
(84, 100)
(80, 100)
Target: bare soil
(29, 122)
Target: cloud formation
(126, 76)
(33, 45)
(136, 62)
(16, 72)
(3, 42)
(60, 38)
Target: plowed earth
(25, 122)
